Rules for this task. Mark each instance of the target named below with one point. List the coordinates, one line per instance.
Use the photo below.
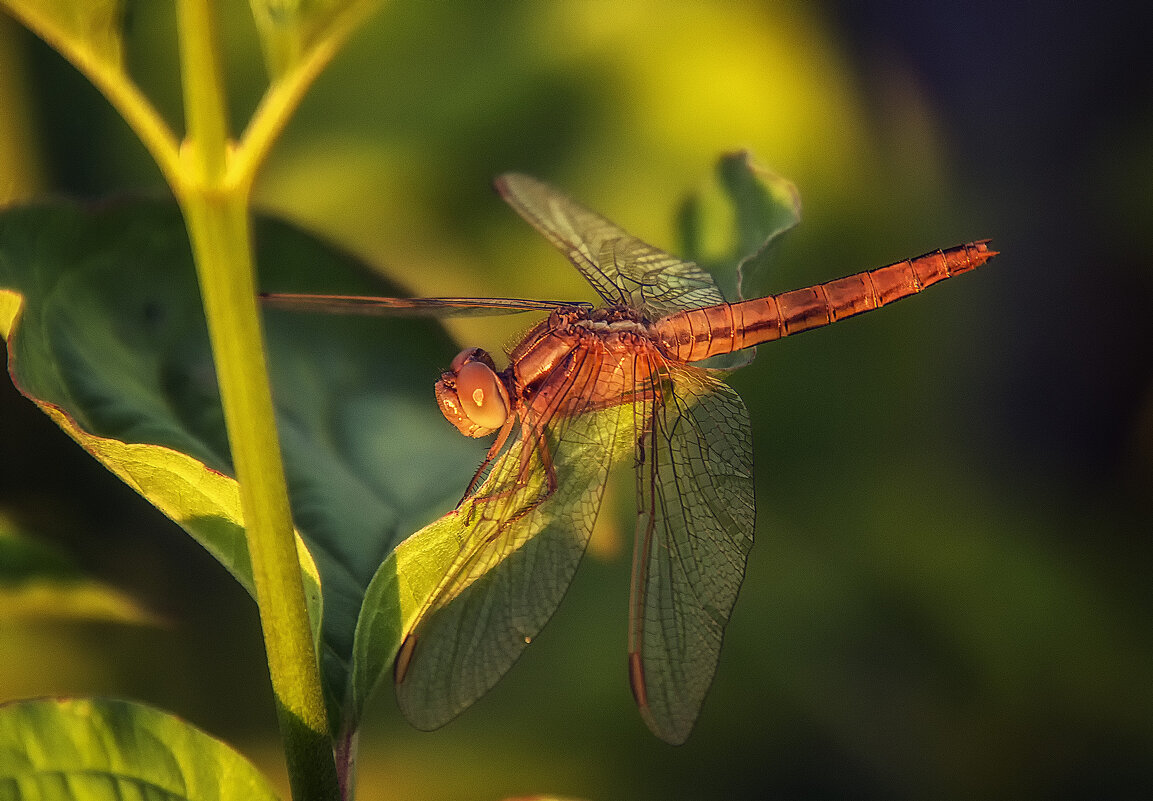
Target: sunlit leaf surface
(81, 749)
(493, 592)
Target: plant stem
(216, 213)
(219, 230)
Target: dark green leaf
(111, 343)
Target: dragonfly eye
(469, 355)
(482, 396)
(472, 396)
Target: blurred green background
(950, 594)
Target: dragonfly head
(471, 395)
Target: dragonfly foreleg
(532, 441)
(493, 451)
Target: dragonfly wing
(621, 268)
(521, 549)
(409, 307)
(694, 534)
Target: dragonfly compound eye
(472, 397)
(482, 396)
(472, 355)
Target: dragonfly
(586, 387)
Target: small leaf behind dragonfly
(730, 226)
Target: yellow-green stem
(216, 214)
(219, 229)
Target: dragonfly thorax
(618, 317)
(614, 319)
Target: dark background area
(950, 593)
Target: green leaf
(38, 582)
(730, 225)
(731, 222)
(110, 342)
(89, 748)
(396, 594)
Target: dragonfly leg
(494, 449)
(524, 476)
(529, 434)
(541, 447)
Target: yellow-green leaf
(93, 748)
(88, 32)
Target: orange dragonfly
(584, 388)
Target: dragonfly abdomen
(700, 333)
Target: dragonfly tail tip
(983, 251)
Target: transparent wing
(621, 268)
(521, 547)
(401, 307)
(694, 534)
